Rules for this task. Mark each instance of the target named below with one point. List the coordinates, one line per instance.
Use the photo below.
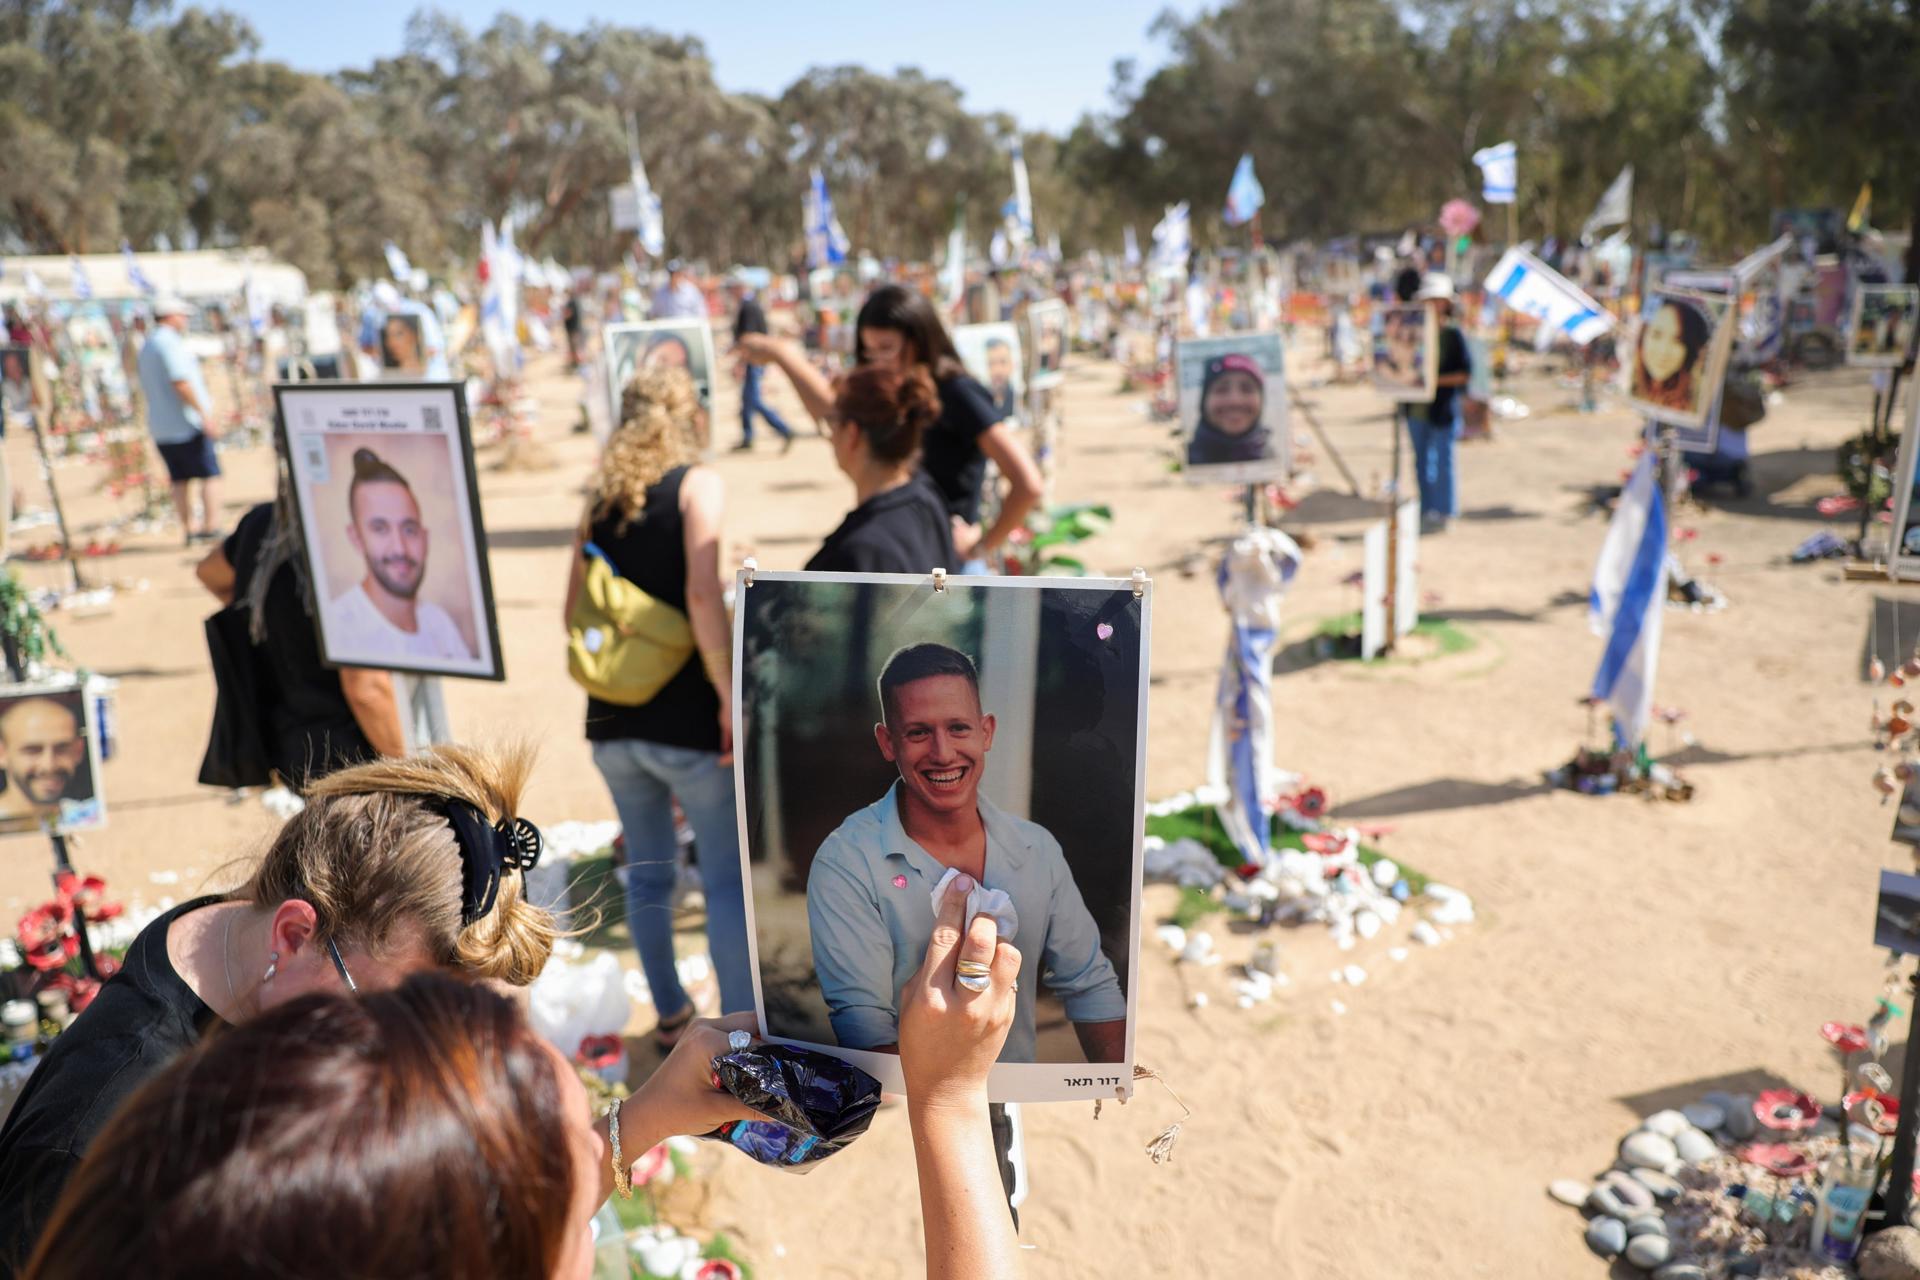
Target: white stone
(1397, 953)
(1173, 936)
(1338, 1007)
(1647, 1149)
(1198, 1000)
(1385, 872)
(1668, 1124)
(1367, 924)
(1426, 935)
(1569, 1191)
(1199, 949)
(1355, 975)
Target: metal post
(1900, 1188)
(1393, 533)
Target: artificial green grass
(1447, 637)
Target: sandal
(667, 1032)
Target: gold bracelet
(622, 1175)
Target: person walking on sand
(180, 418)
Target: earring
(273, 966)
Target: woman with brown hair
(427, 1134)
(898, 329)
(393, 867)
(899, 524)
(655, 516)
(420, 1133)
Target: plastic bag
(569, 1002)
(815, 1104)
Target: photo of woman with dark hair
(1670, 359)
(1233, 396)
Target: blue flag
(826, 243)
(1245, 195)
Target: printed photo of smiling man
(891, 742)
(383, 612)
(931, 827)
(50, 779)
(391, 532)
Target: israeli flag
(135, 276)
(827, 244)
(1018, 211)
(1253, 580)
(1173, 240)
(1615, 207)
(1245, 195)
(1628, 600)
(1533, 288)
(1499, 172)
(81, 286)
(1132, 248)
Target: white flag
(1499, 172)
(81, 287)
(1628, 601)
(1173, 241)
(1615, 207)
(957, 262)
(651, 230)
(397, 265)
(1533, 288)
(1132, 248)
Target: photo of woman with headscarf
(1233, 397)
(1669, 365)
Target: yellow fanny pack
(623, 645)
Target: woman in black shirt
(900, 524)
(655, 515)
(898, 328)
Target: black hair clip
(521, 843)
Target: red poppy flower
(45, 941)
(598, 1051)
(1325, 845)
(1844, 1037)
(1786, 1110)
(717, 1269)
(1778, 1159)
(1311, 803)
(84, 990)
(649, 1165)
(1247, 870)
(90, 895)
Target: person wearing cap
(180, 417)
(1233, 397)
(750, 317)
(1433, 427)
(679, 298)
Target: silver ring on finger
(972, 968)
(739, 1040)
(975, 983)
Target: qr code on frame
(430, 417)
(313, 452)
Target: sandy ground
(1628, 955)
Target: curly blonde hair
(656, 434)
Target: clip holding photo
(748, 568)
(1139, 582)
(939, 581)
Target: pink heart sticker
(1104, 631)
(899, 882)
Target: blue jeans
(751, 403)
(645, 779)
(1433, 460)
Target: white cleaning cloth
(982, 901)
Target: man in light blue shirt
(180, 418)
(870, 890)
(679, 298)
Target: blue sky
(1045, 61)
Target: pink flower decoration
(1786, 1110)
(717, 1269)
(1845, 1038)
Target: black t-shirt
(749, 319)
(306, 719)
(651, 553)
(950, 455)
(1453, 359)
(144, 1017)
(904, 530)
